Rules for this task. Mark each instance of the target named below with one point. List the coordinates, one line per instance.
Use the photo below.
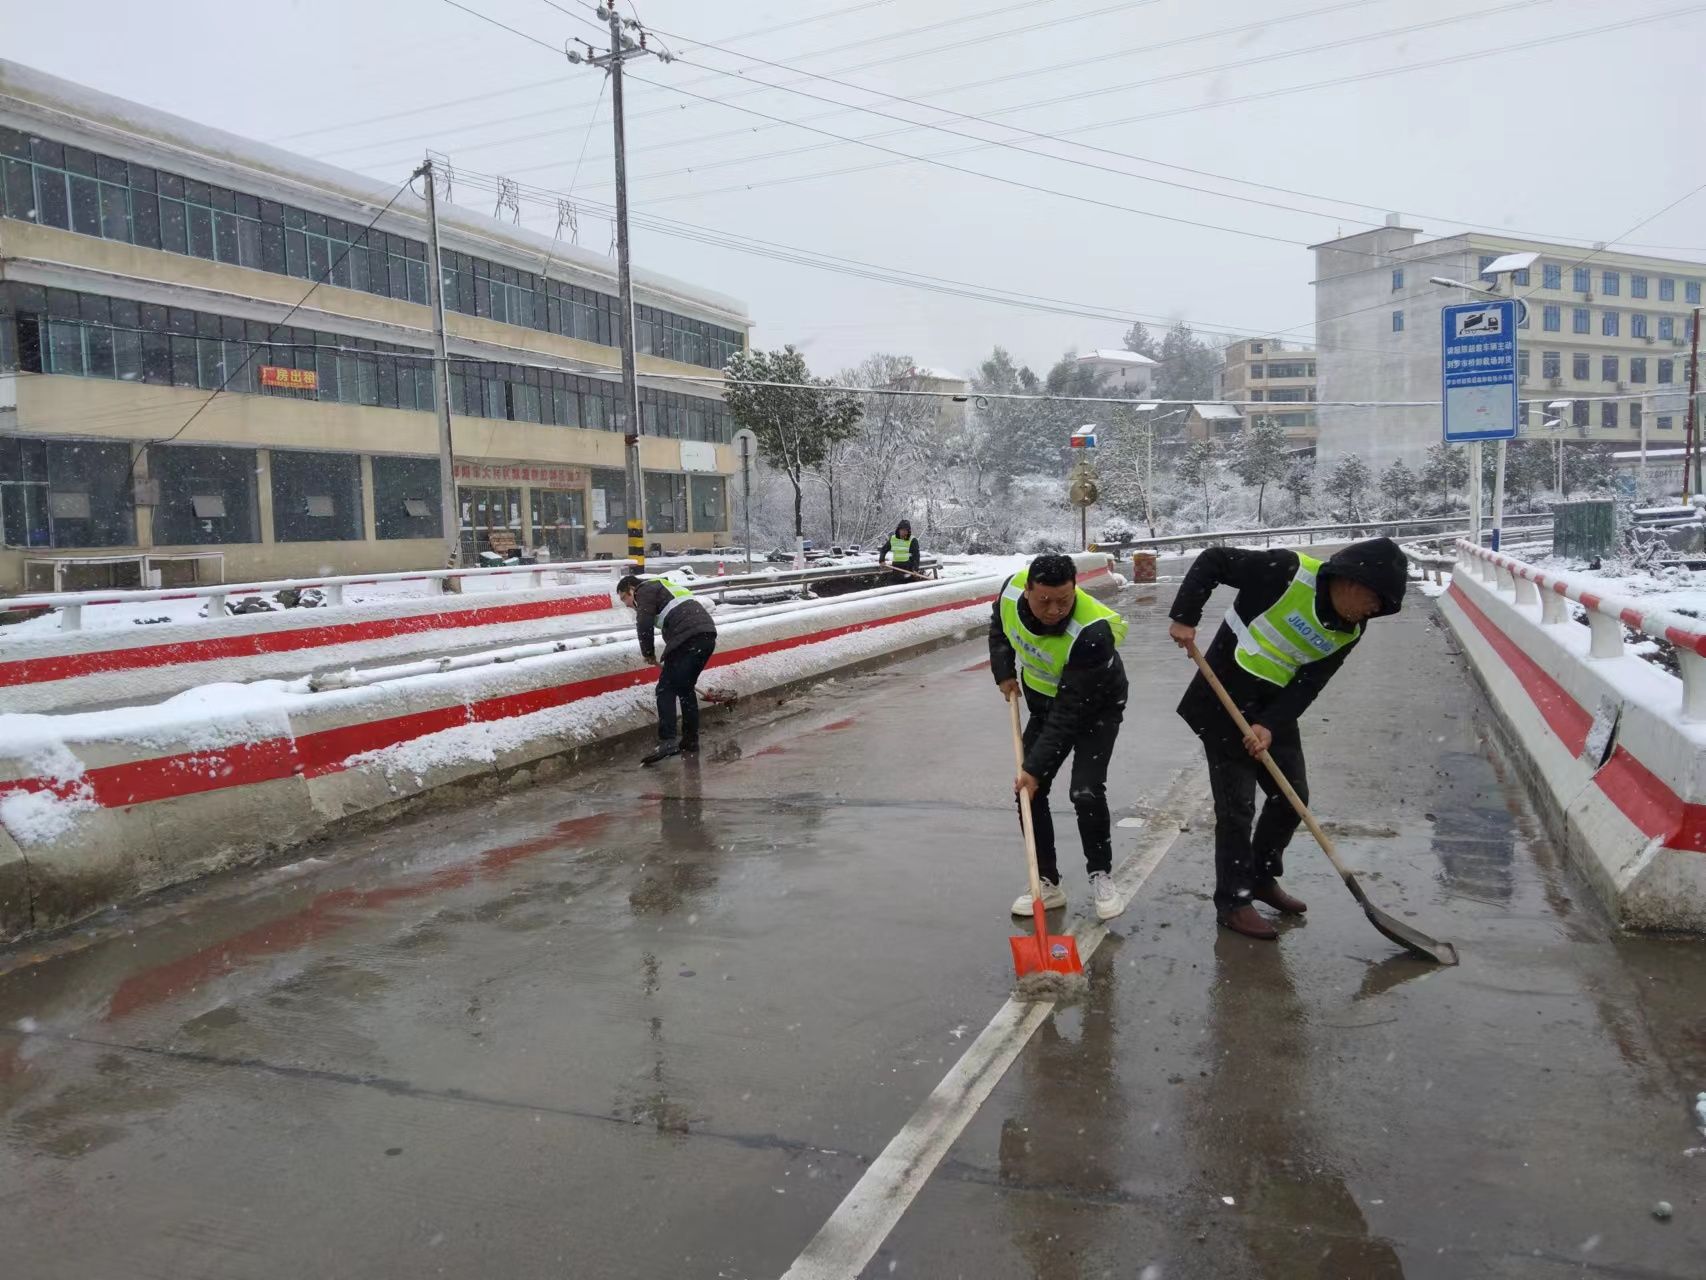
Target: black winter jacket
(1261, 578)
(686, 620)
(1094, 682)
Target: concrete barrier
(105, 806)
(56, 670)
(1602, 736)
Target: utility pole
(623, 47)
(1693, 410)
(450, 514)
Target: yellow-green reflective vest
(899, 546)
(1042, 658)
(1289, 633)
(676, 590)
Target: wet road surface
(659, 1023)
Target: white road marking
(863, 1220)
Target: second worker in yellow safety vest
(1059, 648)
(1289, 628)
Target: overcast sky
(1576, 137)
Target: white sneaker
(1109, 903)
(1053, 899)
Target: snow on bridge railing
(1516, 522)
(71, 603)
(1607, 615)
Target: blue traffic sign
(1478, 371)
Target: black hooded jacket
(1261, 578)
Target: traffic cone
(720, 570)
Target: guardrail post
(1504, 579)
(1553, 608)
(1605, 635)
(334, 593)
(216, 605)
(1693, 668)
(1526, 591)
(70, 617)
(536, 580)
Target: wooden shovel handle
(1024, 801)
(1274, 770)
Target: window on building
(1551, 364)
(666, 502)
(1520, 276)
(1637, 368)
(1638, 325)
(1608, 413)
(1663, 373)
(559, 523)
(1522, 365)
(65, 493)
(316, 497)
(709, 502)
(1665, 422)
(1486, 261)
(1581, 365)
(1257, 394)
(1581, 279)
(1667, 327)
(1610, 323)
(1397, 322)
(1552, 275)
(1581, 320)
(1637, 286)
(206, 495)
(1691, 292)
(1397, 279)
(1256, 371)
(1289, 395)
(1551, 318)
(406, 498)
(609, 500)
(491, 520)
(1634, 415)
(1289, 369)
(1667, 289)
(1608, 366)
(1579, 413)
(1255, 348)
(1610, 282)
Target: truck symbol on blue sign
(1479, 323)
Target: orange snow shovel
(1039, 952)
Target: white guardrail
(1607, 615)
(71, 603)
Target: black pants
(682, 664)
(1088, 789)
(1246, 860)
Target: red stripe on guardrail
(330, 750)
(1644, 798)
(105, 661)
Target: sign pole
(1475, 492)
(1499, 494)
(450, 513)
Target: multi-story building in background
(1121, 371)
(147, 262)
(1600, 324)
(1272, 373)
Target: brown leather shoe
(1279, 899)
(1249, 922)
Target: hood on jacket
(1379, 564)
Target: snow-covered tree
(1348, 482)
(1259, 457)
(1200, 469)
(1188, 367)
(1299, 485)
(796, 418)
(1398, 487)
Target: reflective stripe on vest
(899, 546)
(1043, 658)
(678, 593)
(1288, 633)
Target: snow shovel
(1412, 940)
(1039, 952)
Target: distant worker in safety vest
(903, 547)
(689, 639)
(1289, 628)
(1059, 648)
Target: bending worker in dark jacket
(689, 639)
(903, 547)
(1288, 631)
(1060, 645)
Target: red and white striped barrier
(1615, 745)
(99, 807)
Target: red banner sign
(292, 379)
(521, 473)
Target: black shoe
(663, 751)
(690, 748)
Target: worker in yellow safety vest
(1290, 627)
(689, 639)
(1058, 648)
(903, 547)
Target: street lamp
(1556, 425)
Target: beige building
(216, 360)
(1270, 372)
(1603, 329)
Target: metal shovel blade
(1043, 952)
(1412, 940)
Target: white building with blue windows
(1604, 329)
